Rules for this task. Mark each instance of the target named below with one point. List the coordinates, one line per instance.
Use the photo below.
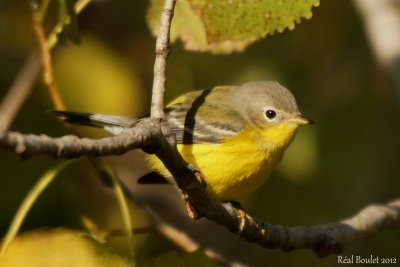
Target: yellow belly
(232, 169)
(238, 165)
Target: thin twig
(48, 75)
(187, 177)
(23, 83)
(162, 52)
(45, 45)
(20, 90)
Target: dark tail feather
(95, 120)
(152, 178)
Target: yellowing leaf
(59, 247)
(226, 26)
(188, 27)
(238, 20)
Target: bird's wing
(203, 117)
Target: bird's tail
(113, 124)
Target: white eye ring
(270, 114)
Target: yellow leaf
(59, 247)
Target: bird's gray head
(267, 103)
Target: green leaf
(227, 26)
(238, 20)
(173, 259)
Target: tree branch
(145, 133)
(323, 239)
(187, 177)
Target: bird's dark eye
(271, 114)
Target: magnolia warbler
(235, 135)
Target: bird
(234, 134)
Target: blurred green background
(348, 159)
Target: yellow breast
(237, 166)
